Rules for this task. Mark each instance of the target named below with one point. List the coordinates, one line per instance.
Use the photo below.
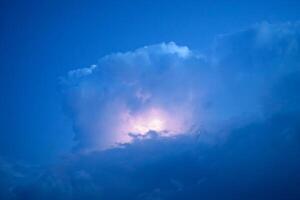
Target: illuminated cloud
(173, 90)
(154, 88)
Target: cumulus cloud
(173, 90)
(226, 122)
(158, 87)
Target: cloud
(227, 123)
(15, 174)
(158, 87)
(252, 61)
(172, 89)
(260, 160)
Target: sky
(154, 99)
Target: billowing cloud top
(171, 89)
(156, 87)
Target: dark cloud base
(258, 161)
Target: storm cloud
(160, 86)
(226, 120)
(179, 89)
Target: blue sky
(240, 59)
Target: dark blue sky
(42, 40)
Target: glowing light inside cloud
(151, 121)
(130, 94)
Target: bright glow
(143, 126)
(165, 121)
(151, 120)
